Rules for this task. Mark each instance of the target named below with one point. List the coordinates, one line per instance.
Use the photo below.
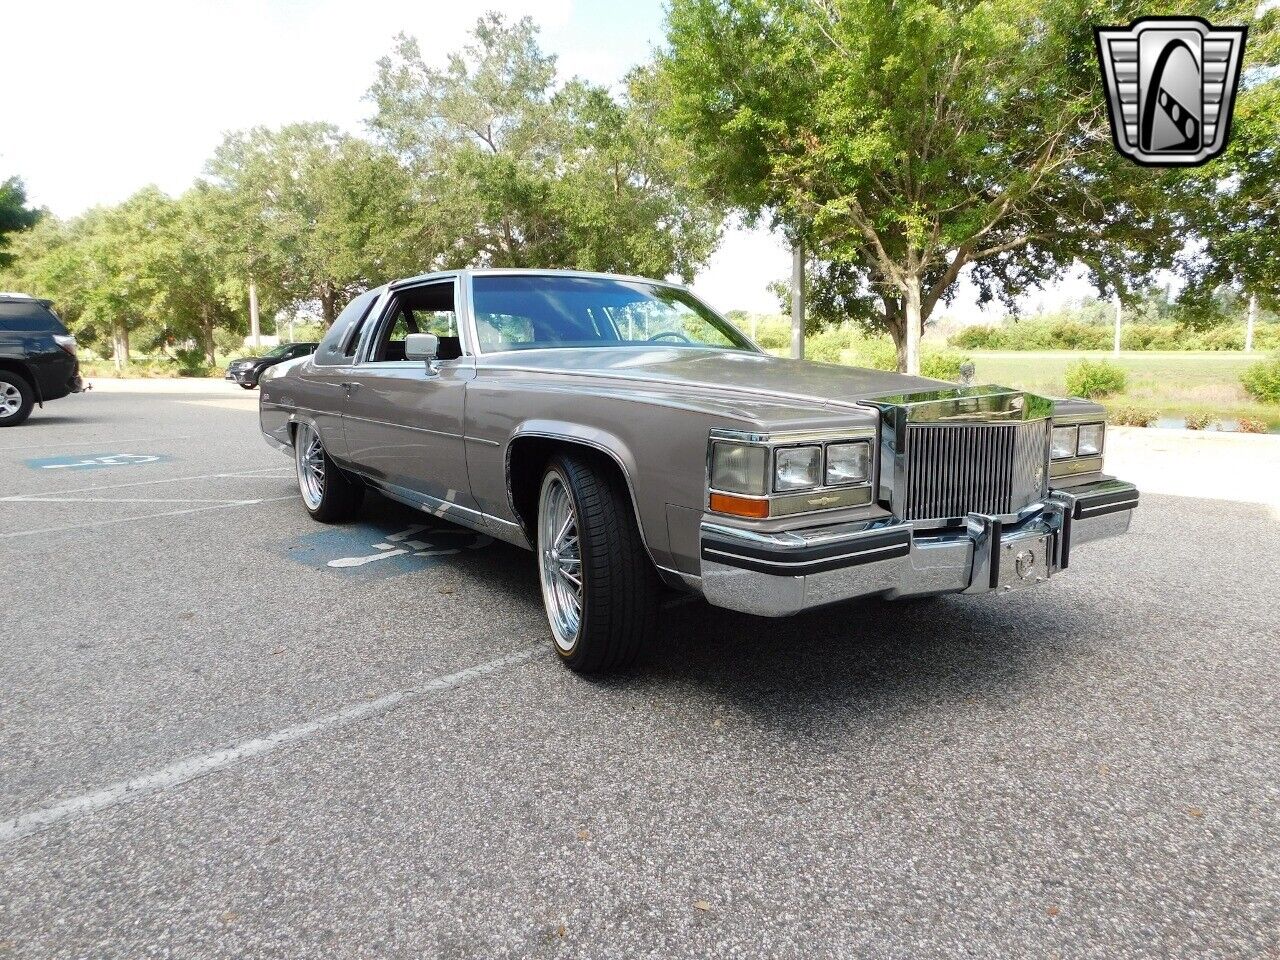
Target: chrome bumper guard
(775, 574)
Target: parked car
(37, 357)
(635, 439)
(248, 370)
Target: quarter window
(339, 343)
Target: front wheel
(248, 386)
(599, 587)
(16, 399)
(329, 495)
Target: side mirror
(421, 346)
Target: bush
(192, 363)
(1251, 425)
(944, 365)
(1130, 417)
(230, 342)
(1094, 378)
(1262, 380)
(773, 334)
(1199, 421)
(878, 354)
(825, 346)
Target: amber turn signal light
(740, 506)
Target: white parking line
(185, 770)
(266, 473)
(145, 516)
(93, 443)
(35, 499)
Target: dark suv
(247, 370)
(37, 357)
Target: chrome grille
(991, 468)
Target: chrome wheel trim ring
(309, 456)
(560, 562)
(10, 399)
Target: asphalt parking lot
(228, 731)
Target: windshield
(532, 311)
(279, 351)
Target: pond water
(1225, 425)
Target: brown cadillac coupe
(636, 440)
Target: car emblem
(1171, 84)
(822, 501)
(1025, 564)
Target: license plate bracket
(1024, 561)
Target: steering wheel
(673, 334)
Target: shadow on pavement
(861, 656)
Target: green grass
(1172, 384)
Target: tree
(319, 214)
(521, 170)
(1237, 198)
(196, 263)
(907, 142)
(15, 215)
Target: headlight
(739, 468)
(1064, 443)
(1090, 443)
(848, 463)
(797, 468)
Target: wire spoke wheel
(310, 463)
(560, 562)
(10, 399)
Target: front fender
(600, 440)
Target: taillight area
(66, 343)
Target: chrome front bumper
(775, 574)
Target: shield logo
(1171, 84)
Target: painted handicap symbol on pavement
(95, 461)
(364, 551)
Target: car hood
(728, 371)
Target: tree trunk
(1250, 322)
(327, 298)
(255, 325)
(120, 345)
(797, 301)
(1116, 338)
(913, 322)
(206, 327)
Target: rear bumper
(775, 574)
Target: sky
(103, 98)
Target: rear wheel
(599, 587)
(16, 399)
(248, 386)
(329, 495)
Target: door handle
(350, 387)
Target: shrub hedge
(1071, 335)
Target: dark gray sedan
(636, 440)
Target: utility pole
(1119, 314)
(255, 329)
(1248, 324)
(797, 300)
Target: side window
(29, 316)
(339, 343)
(425, 309)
